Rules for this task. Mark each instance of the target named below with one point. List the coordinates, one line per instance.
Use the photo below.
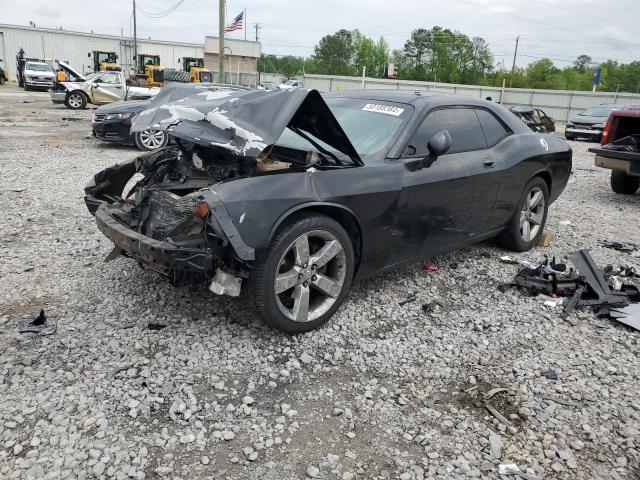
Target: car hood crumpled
(245, 122)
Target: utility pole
(513, 67)
(221, 40)
(135, 38)
(257, 27)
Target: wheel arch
(341, 214)
(546, 176)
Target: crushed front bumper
(156, 254)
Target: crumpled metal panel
(245, 122)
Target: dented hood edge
(246, 123)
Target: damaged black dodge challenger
(291, 195)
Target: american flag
(236, 24)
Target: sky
(558, 29)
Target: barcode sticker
(386, 109)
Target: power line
(582, 14)
(162, 14)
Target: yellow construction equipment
(104, 61)
(148, 71)
(195, 67)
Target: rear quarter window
(494, 130)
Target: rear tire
(527, 224)
(623, 183)
(149, 140)
(295, 288)
(178, 76)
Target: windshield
(38, 67)
(370, 125)
(597, 112)
(290, 82)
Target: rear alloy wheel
(76, 101)
(525, 227)
(299, 283)
(151, 139)
(623, 183)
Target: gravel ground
(383, 391)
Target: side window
(494, 130)
(462, 124)
(110, 78)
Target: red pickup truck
(619, 150)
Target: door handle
(119, 87)
(488, 162)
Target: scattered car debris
(549, 374)
(409, 299)
(507, 468)
(156, 325)
(41, 325)
(611, 294)
(509, 260)
(564, 222)
(6, 379)
(621, 245)
(430, 267)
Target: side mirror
(440, 143)
(89, 54)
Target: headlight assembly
(119, 116)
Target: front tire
(76, 101)
(623, 183)
(149, 140)
(300, 281)
(525, 227)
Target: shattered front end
(173, 226)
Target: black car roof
(399, 96)
(418, 99)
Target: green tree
(370, 54)
(582, 62)
(334, 53)
(542, 74)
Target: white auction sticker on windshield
(386, 109)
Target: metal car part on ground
(534, 118)
(611, 294)
(292, 195)
(98, 88)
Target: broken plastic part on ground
(41, 325)
(611, 294)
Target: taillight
(605, 133)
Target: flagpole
(245, 22)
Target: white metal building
(74, 47)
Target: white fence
(560, 104)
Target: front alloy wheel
(76, 101)
(299, 282)
(151, 139)
(307, 284)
